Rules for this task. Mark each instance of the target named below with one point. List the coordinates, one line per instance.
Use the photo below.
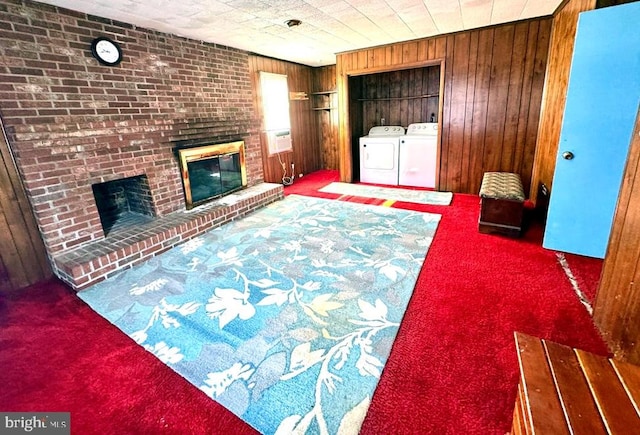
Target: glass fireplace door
(230, 174)
(205, 179)
(211, 171)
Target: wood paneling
(492, 89)
(22, 256)
(397, 97)
(306, 149)
(617, 306)
(565, 24)
(324, 80)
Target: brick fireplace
(100, 212)
(80, 130)
(123, 203)
(113, 204)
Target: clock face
(106, 51)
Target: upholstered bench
(501, 204)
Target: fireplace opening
(124, 203)
(212, 171)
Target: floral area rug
(389, 193)
(287, 316)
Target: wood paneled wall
(306, 149)
(325, 95)
(617, 306)
(493, 81)
(565, 24)
(22, 256)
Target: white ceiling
(328, 26)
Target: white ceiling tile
(476, 13)
(446, 15)
(539, 8)
(328, 26)
(506, 10)
(335, 8)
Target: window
(275, 111)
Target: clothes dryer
(418, 155)
(379, 155)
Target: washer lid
(386, 130)
(423, 129)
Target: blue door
(601, 107)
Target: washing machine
(379, 155)
(418, 155)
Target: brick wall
(72, 122)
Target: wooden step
(569, 391)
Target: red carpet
(59, 355)
(452, 369)
(586, 271)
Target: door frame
(345, 145)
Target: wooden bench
(569, 391)
(501, 204)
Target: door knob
(567, 155)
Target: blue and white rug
(389, 193)
(287, 316)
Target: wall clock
(107, 52)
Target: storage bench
(501, 204)
(563, 390)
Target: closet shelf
(324, 100)
(400, 98)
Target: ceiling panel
(328, 26)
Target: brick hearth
(96, 261)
